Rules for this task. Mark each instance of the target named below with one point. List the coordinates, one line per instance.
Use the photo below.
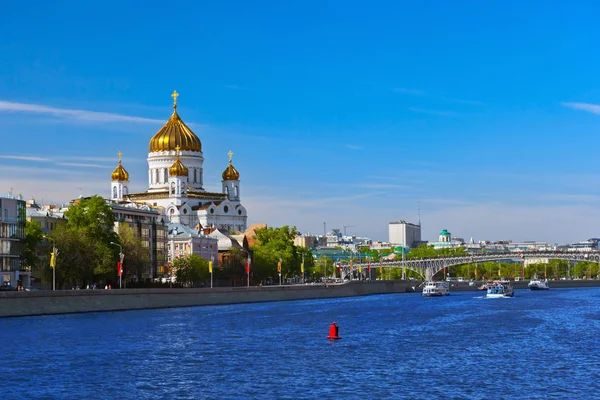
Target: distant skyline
(354, 113)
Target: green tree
(273, 244)
(137, 256)
(33, 236)
(85, 253)
(190, 270)
(232, 266)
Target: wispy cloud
(380, 186)
(414, 92)
(353, 147)
(592, 108)
(433, 112)
(79, 115)
(25, 158)
(395, 178)
(460, 101)
(66, 164)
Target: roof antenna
(419, 211)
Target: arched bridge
(428, 267)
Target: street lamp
(121, 257)
(279, 270)
(53, 261)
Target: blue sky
(354, 113)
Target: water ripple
(536, 345)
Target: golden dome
(230, 173)
(178, 169)
(120, 174)
(175, 133)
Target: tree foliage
(137, 256)
(275, 244)
(190, 270)
(85, 253)
(33, 236)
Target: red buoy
(334, 332)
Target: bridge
(428, 267)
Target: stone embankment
(15, 304)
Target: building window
(226, 209)
(239, 212)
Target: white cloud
(25, 158)
(592, 108)
(79, 115)
(82, 165)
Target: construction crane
(347, 226)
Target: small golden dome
(175, 133)
(178, 169)
(120, 174)
(230, 173)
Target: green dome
(444, 233)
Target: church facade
(176, 182)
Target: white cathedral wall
(160, 162)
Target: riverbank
(19, 304)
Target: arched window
(236, 191)
(166, 175)
(114, 192)
(195, 175)
(124, 190)
(227, 191)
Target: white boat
(434, 289)
(538, 284)
(499, 289)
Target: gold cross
(174, 96)
(230, 156)
(120, 155)
(177, 150)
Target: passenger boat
(538, 284)
(499, 289)
(434, 289)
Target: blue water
(535, 345)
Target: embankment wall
(15, 304)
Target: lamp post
(121, 257)
(212, 265)
(279, 270)
(53, 261)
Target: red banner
(247, 268)
(119, 268)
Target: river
(535, 345)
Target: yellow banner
(52, 260)
(210, 265)
(302, 267)
(278, 266)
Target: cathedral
(175, 182)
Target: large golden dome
(120, 174)
(230, 173)
(175, 133)
(178, 169)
